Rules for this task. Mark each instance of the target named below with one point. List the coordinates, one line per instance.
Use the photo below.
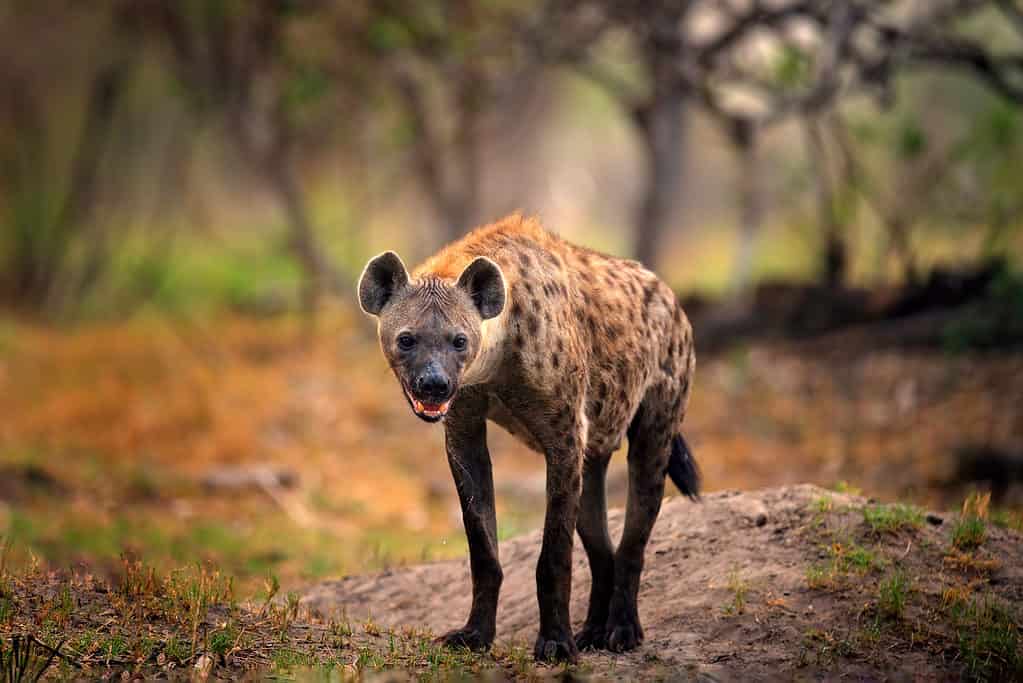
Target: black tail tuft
(682, 468)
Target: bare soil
(757, 585)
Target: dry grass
(187, 623)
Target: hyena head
(430, 328)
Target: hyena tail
(682, 468)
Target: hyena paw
(592, 637)
(624, 633)
(556, 648)
(468, 637)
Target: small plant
(223, 640)
(850, 556)
(24, 658)
(862, 559)
(272, 586)
(970, 529)
(739, 588)
(283, 616)
(341, 629)
(177, 648)
(818, 576)
(191, 593)
(969, 533)
(846, 487)
(890, 519)
(370, 627)
(845, 557)
(286, 659)
(892, 594)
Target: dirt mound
(781, 582)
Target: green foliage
(969, 532)
(892, 594)
(995, 322)
(223, 639)
(287, 658)
(846, 557)
(911, 139)
(387, 34)
(889, 519)
(988, 639)
(793, 67)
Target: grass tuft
(970, 530)
(988, 639)
(890, 519)
(845, 558)
(740, 589)
(892, 594)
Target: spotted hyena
(570, 351)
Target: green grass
(892, 594)
(861, 559)
(818, 576)
(988, 640)
(739, 588)
(890, 519)
(845, 487)
(285, 659)
(1006, 519)
(845, 558)
(969, 532)
(823, 504)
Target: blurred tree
(52, 247)
(752, 63)
(271, 76)
(449, 65)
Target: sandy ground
(701, 555)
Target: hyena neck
(487, 363)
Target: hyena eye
(406, 341)
(460, 342)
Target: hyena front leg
(563, 441)
(466, 442)
(554, 569)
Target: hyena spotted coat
(571, 351)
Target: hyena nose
(433, 386)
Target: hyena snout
(432, 385)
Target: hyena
(570, 351)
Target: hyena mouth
(431, 412)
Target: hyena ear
(483, 280)
(383, 277)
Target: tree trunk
(662, 128)
(302, 239)
(751, 207)
(464, 200)
(661, 121)
(834, 255)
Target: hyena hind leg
(650, 437)
(592, 527)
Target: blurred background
(189, 190)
